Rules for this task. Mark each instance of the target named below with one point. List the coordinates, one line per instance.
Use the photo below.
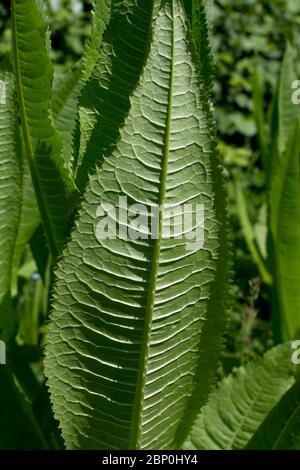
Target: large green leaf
(285, 233)
(137, 324)
(104, 103)
(281, 428)
(50, 174)
(242, 401)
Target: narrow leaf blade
(66, 92)
(287, 110)
(104, 101)
(10, 177)
(100, 18)
(20, 431)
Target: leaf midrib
(136, 422)
(27, 140)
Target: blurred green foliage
(249, 37)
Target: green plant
(131, 325)
(242, 401)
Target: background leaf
(64, 105)
(281, 428)
(105, 98)
(33, 73)
(287, 111)
(285, 232)
(100, 18)
(18, 210)
(10, 177)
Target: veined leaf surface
(242, 401)
(281, 428)
(287, 110)
(104, 101)
(137, 324)
(17, 197)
